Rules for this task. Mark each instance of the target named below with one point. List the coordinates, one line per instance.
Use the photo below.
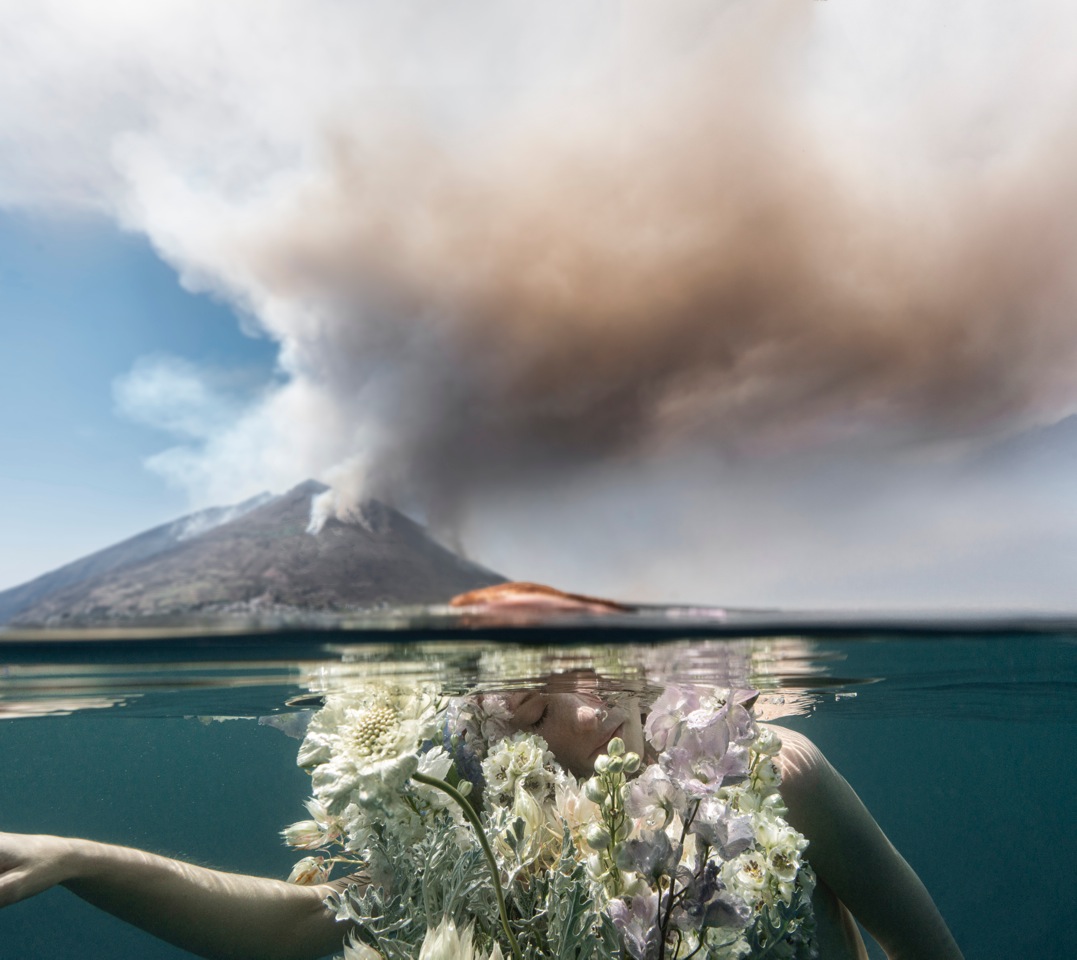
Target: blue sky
(720, 302)
(81, 302)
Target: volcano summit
(256, 558)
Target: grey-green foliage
(559, 917)
(425, 881)
(577, 930)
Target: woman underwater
(220, 915)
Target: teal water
(959, 738)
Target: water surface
(956, 733)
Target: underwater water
(958, 735)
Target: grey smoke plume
(500, 245)
(682, 258)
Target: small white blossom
(520, 761)
(308, 871)
(305, 835)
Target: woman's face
(578, 725)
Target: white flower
(305, 835)
(767, 743)
(357, 950)
(574, 807)
(445, 942)
(752, 871)
(480, 720)
(765, 776)
(519, 761)
(308, 871)
(782, 847)
(364, 745)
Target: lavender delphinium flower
(725, 832)
(703, 740)
(651, 855)
(653, 799)
(707, 903)
(636, 920)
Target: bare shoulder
(854, 858)
(821, 803)
(805, 771)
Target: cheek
(633, 734)
(570, 750)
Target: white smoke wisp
(502, 244)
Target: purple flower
(650, 854)
(636, 920)
(741, 721)
(717, 826)
(707, 903)
(703, 740)
(653, 798)
(700, 773)
(668, 713)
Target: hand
(31, 864)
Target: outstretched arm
(853, 857)
(217, 915)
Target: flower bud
(593, 790)
(465, 787)
(355, 949)
(595, 867)
(632, 762)
(602, 764)
(616, 765)
(767, 743)
(306, 835)
(616, 747)
(597, 837)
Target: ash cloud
(681, 258)
(502, 246)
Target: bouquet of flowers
(468, 841)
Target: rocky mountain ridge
(257, 557)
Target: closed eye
(541, 718)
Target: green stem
(473, 819)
